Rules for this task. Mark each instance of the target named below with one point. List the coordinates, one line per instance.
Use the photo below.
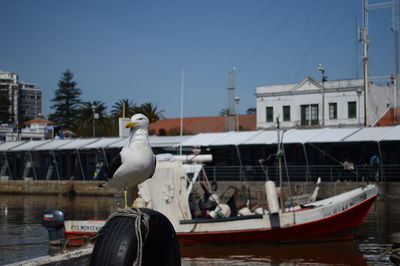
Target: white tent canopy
(259, 137)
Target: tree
(83, 125)
(66, 101)
(251, 111)
(118, 108)
(224, 112)
(150, 110)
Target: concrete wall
(90, 188)
(256, 189)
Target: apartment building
(24, 99)
(311, 103)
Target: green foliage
(83, 125)
(224, 112)
(118, 108)
(251, 111)
(66, 101)
(150, 110)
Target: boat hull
(338, 226)
(335, 218)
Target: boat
(333, 218)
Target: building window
(286, 113)
(352, 109)
(270, 114)
(309, 114)
(332, 110)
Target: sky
(142, 49)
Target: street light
(359, 91)
(93, 110)
(324, 78)
(237, 100)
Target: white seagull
(136, 161)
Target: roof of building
(39, 121)
(390, 118)
(195, 125)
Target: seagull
(136, 161)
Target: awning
(371, 134)
(76, 144)
(167, 141)
(8, 145)
(101, 143)
(53, 144)
(30, 145)
(206, 139)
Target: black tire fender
(117, 243)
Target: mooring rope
(394, 256)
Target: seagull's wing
(154, 166)
(113, 166)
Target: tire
(117, 244)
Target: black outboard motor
(53, 220)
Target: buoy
(272, 197)
(260, 210)
(136, 237)
(221, 211)
(244, 211)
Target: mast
(395, 77)
(181, 123)
(395, 29)
(279, 154)
(365, 43)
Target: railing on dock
(301, 173)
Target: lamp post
(93, 110)
(237, 100)
(324, 78)
(359, 91)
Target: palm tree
(150, 110)
(118, 108)
(84, 121)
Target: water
(22, 236)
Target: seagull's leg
(126, 197)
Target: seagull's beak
(130, 124)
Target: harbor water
(23, 237)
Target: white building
(301, 104)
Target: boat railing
(304, 173)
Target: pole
(279, 154)
(395, 29)
(181, 124)
(365, 59)
(93, 125)
(323, 100)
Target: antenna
(230, 105)
(231, 92)
(395, 29)
(358, 32)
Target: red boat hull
(335, 227)
(338, 226)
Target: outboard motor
(53, 220)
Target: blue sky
(137, 49)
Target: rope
(140, 217)
(394, 255)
